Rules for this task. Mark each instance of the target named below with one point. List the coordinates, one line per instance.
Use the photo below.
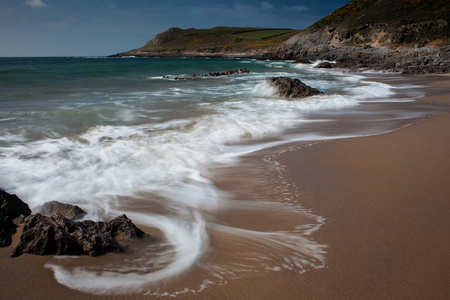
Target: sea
(192, 162)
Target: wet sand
(386, 200)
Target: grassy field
(263, 34)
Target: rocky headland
(407, 36)
(411, 37)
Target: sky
(105, 27)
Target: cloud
(266, 6)
(35, 3)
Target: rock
(69, 211)
(60, 234)
(368, 56)
(122, 228)
(11, 207)
(44, 235)
(214, 74)
(325, 65)
(292, 88)
(225, 73)
(7, 229)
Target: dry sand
(386, 200)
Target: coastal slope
(408, 36)
(217, 41)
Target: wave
(155, 149)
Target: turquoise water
(118, 135)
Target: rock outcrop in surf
(292, 87)
(211, 74)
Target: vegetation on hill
(218, 39)
(407, 36)
(392, 12)
(408, 22)
(393, 24)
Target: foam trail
(187, 238)
(292, 247)
(150, 142)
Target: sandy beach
(386, 203)
(385, 198)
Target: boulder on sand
(56, 234)
(59, 234)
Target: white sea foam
(318, 62)
(188, 238)
(371, 90)
(163, 142)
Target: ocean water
(119, 135)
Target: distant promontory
(408, 36)
(214, 42)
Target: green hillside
(393, 12)
(394, 24)
(407, 21)
(218, 39)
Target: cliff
(393, 24)
(408, 36)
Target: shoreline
(385, 200)
(364, 259)
(408, 61)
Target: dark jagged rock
(11, 207)
(121, 228)
(213, 74)
(325, 65)
(292, 87)
(69, 211)
(58, 234)
(43, 235)
(225, 73)
(7, 229)
(419, 60)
